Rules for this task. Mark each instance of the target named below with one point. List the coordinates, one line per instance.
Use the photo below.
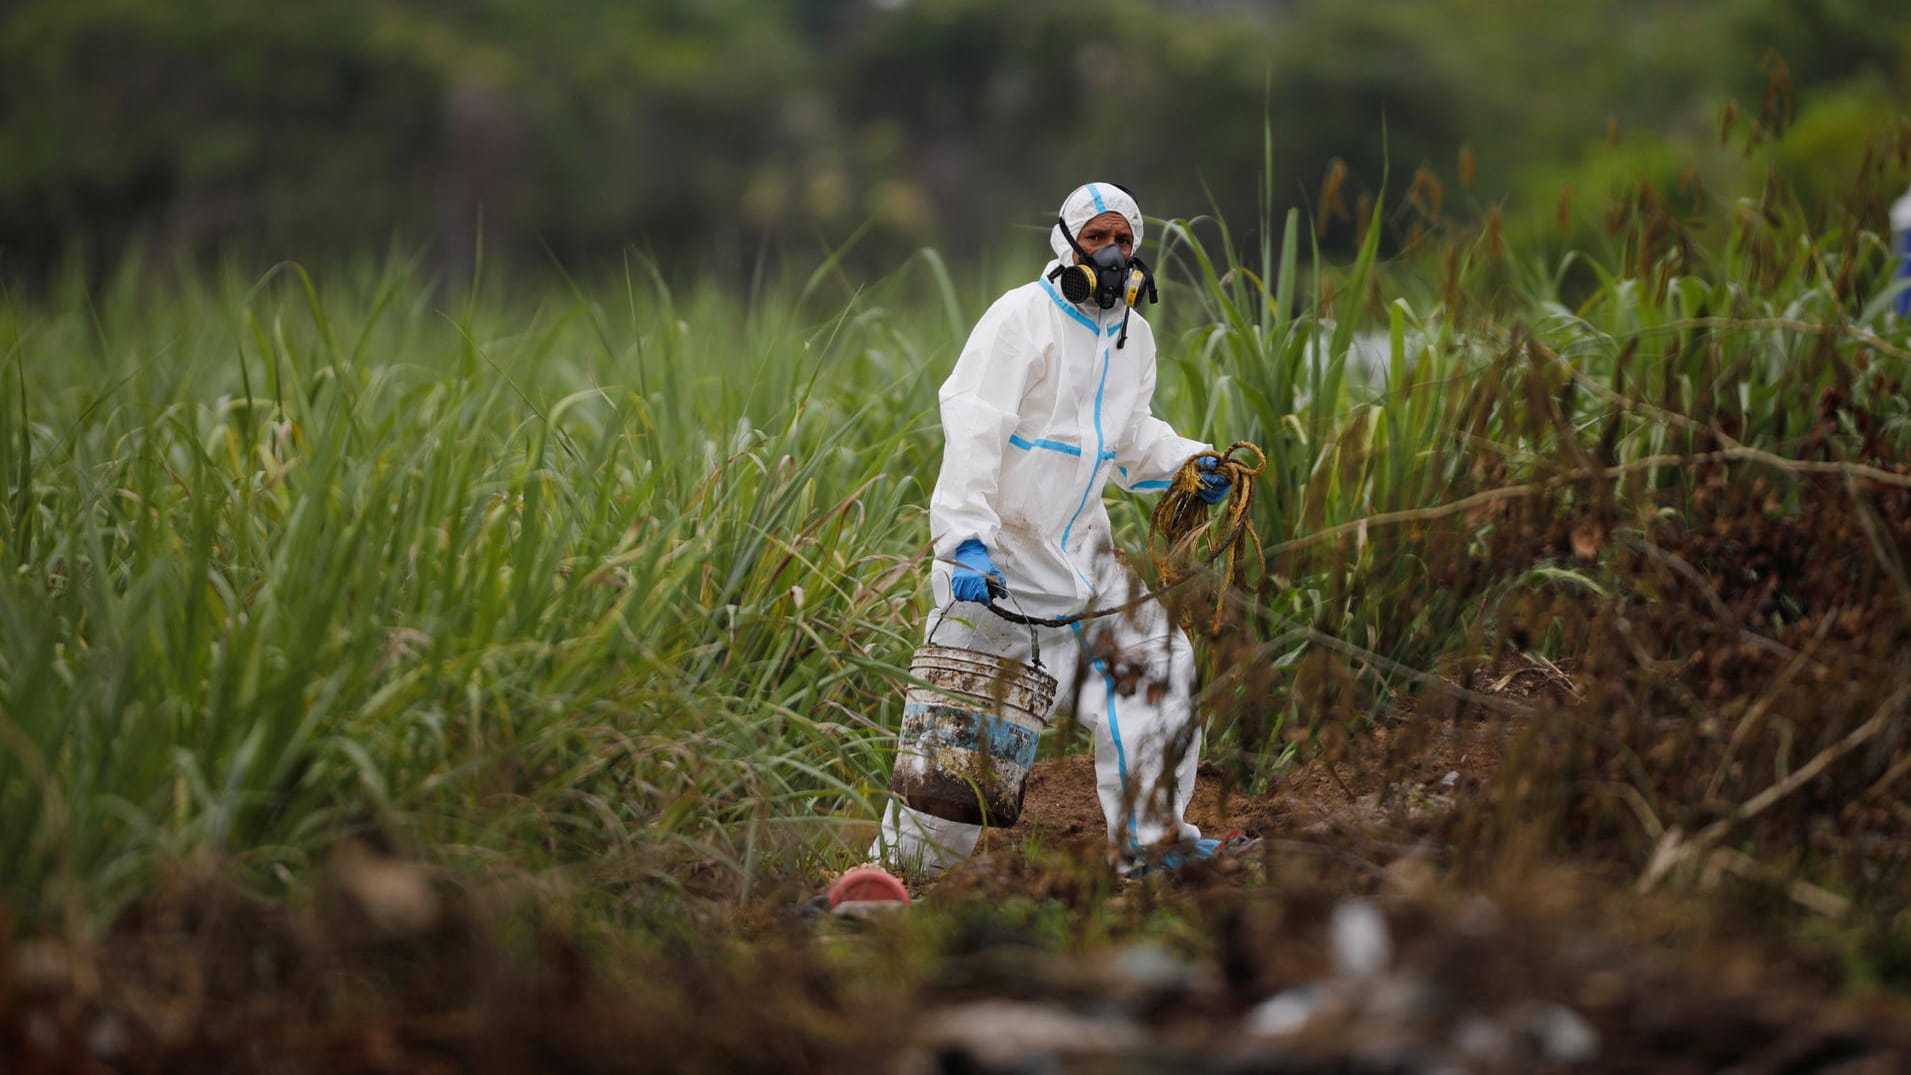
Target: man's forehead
(1109, 221)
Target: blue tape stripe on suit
(1114, 733)
(1101, 444)
(1068, 309)
(1052, 445)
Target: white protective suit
(1041, 411)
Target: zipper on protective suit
(1102, 455)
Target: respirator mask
(1105, 276)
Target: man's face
(1110, 227)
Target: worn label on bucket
(957, 727)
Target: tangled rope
(1180, 520)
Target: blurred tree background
(714, 132)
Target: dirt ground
(1347, 941)
(1660, 984)
(1315, 797)
(1405, 773)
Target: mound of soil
(1420, 766)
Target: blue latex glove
(976, 576)
(1214, 485)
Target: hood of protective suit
(1087, 202)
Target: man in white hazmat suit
(1049, 401)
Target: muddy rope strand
(1180, 520)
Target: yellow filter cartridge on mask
(1136, 281)
(1078, 282)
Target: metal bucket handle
(1034, 642)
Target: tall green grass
(1758, 328)
(532, 581)
(617, 578)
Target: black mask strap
(1079, 252)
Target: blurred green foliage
(723, 128)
